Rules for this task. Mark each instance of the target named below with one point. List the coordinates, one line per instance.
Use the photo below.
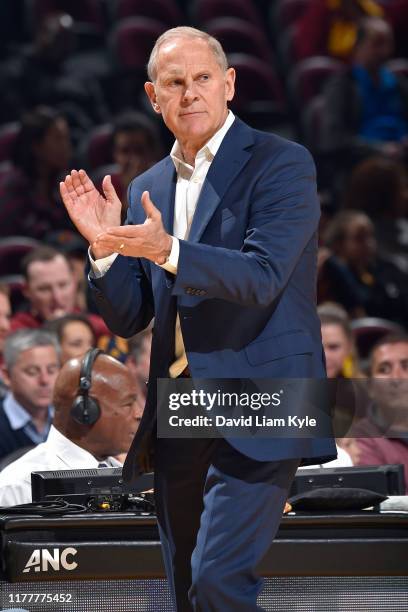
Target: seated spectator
(356, 277)
(138, 360)
(31, 364)
(51, 291)
(75, 335)
(342, 364)
(378, 187)
(72, 444)
(136, 147)
(5, 316)
(367, 105)
(338, 342)
(329, 27)
(75, 248)
(383, 436)
(30, 204)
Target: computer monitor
(91, 487)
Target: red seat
(96, 150)
(252, 70)
(309, 76)
(368, 330)
(16, 284)
(312, 123)
(133, 39)
(258, 89)
(285, 13)
(8, 135)
(166, 11)
(12, 250)
(207, 10)
(238, 36)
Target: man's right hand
(91, 213)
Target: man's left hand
(149, 240)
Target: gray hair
(185, 32)
(25, 339)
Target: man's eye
(204, 77)
(31, 371)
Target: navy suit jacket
(245, 287)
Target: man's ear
(151, 94)
(5, 375)
(229, 84)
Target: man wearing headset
(97, 412)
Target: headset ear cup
(92, 412)
(77, 410)
(85, 412)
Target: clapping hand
(149, 239)
(91, 213)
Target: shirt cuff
(171, 264)
(99, 267)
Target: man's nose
(398, 372)
(190, 92)
(58, 297)
(137, 410)
(44, 378)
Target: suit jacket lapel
(228, 162)
(163, 193)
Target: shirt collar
(210, 148)
(73, 455)
(18, 416)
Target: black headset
(86, 410)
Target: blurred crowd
(332, 74)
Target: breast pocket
(293, 342)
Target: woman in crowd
(355, 276)
(30, 204)
(75, 335)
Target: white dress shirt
(57, 453)
(189, 184)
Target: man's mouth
(191, 113)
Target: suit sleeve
(123, 295)
(284, 215)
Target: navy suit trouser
(218, 512)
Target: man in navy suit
(220, 248)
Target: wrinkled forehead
(36, 355)
(51, 269)
(180, 54)
(392, 353)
